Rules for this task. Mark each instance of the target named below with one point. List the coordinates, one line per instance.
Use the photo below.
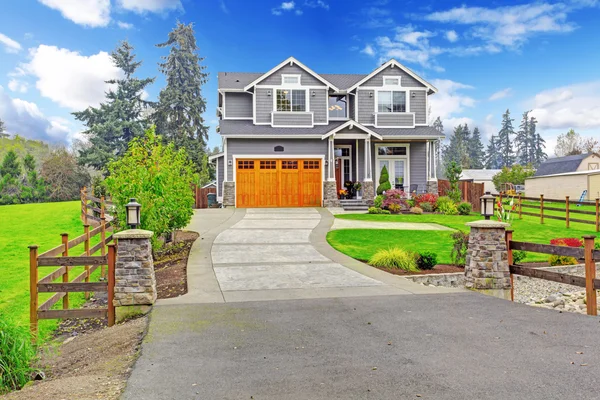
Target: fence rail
(95, 208)
(59, 257)
(587, 253)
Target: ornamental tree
(159, 177)
(384, 181)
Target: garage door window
(311, 164)
(246, 164)
(270, 164)
(289, 164)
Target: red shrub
(569, 242)
(425, 198)
(395, 196)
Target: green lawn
(21, 226)
(362, 243)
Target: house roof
(479, 174)
(561, 165)
(343, 81)
(394, 63)
(236, 80)
(244, 128)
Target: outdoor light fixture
(487, 205)
(370, 94)
(268, 92)
(413, 95)
(314, 93)
(326, 163)
(133, 213)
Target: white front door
(395, 159)
(396, 171)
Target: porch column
(431, 185)
(368, 185)
(368, 168)
(330, 160)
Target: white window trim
(297, 76)
(347, 108)
(398, 77)
(274, 95)
(406, 96)
(348, 157)
(406, 158)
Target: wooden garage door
(278, 183)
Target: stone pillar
(330, 198)
(432, 187)
(486, 267)
(135, 282)
(368, 188)
(228, 194)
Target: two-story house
(293, 137)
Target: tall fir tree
(179, 112)
(538, 155)
(457, 148)
(3, 133)
(492, 156)
(439, 147)
(112, 125)
(523, 142)
(476, 152)
(504, 143)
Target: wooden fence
(587, 253)
(471, 192)
(201, 196)
(568, 210)
(93, 208)
(59, 257)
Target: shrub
(416, 210)
(394, 258)
(159, 177)
(385, 212)
(426, 260)
(453, 172)
(394, 208)
(378, 202)
(430, 198)
(464, 208)
(411, 203)
(564, 260)
(395, 196)
(16, 356)
(375, 210)
(459, 248)
(426, 206)
(384, 181)
(445, 205)
(518, 256)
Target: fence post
(541, 208)
(520, 206)
(597, 214)
(102, 207)
(103, 241)
(86, 230)
(84, 204)
(567, 210)
(33, 293)
(111, 284)
(65, 277)
(508, 235)
(590, 275)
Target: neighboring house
(566, 176)
(481, 176)
(292, 137)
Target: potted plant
(342, 194)
(357, 189)
(349, 185)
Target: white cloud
(154, 6)
(450, 103)
(286, 6)
(10, 45)
(410, 45)
(91, 13)
(25, 118)
(452, 36)
(124, 25)
(70, 79)
(316, 4)
(299, 12)
(16, 85)
(289, 5)
(375, 17)
(501, 94)
(368, 50)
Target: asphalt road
(443, 346)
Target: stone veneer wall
(330, 197)
(135, 282)
(368, 188)
(432, 187)
(229, 194)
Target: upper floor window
(391, 101)
(290, 79)
(389, 81)
(337, 107)
(291, 100)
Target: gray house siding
(306, 79)
(405, 81)
(366, 107)
(318, 104)
(220, 175)
(351, 108)
(241, 147)
(238, 105)
(394, 119)
(264, 106)
(418, 105)
(292, 119)
(418, 165)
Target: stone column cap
(134, 234)
(487, 224)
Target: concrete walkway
(414, 226)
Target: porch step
(354, 205)
(356, 208)
(352, 201)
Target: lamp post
(487, 205)
(133, 213)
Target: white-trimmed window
(291, 100)
(391, 81)
(337, 107)
(391, 101)
(290, 79)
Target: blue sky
(484, 56)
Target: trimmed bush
(385, 212)
(395, 196)
(564, 260)
(518, 256)
(394, 258)
(416, 210)
(378, 202)
(16, 356)
(375, 210)
(384, 181)
(426, 260)
(445, 205)
(430, 198)
(426, 206)
(394, 208)
(464, 208)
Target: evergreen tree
(492, 156)
(523, 141)
(11, 167)
(439, 148)
(539, 144)
(3, 133)
(458, 148)
(476, 152)
(33, 188)
(10, 175)
(112, 125)
(504, 143)
(437, 124)
(179, 112)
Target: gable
(406, 80)
(306, 79)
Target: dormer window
(290, 80)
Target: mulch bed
(438, 269)
(170, 265)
